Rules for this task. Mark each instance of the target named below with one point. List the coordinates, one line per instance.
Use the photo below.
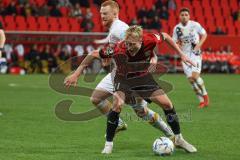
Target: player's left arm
(173, 45)
(2, 41)
(153, 61)
(203, 36)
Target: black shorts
(142, 86)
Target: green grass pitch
(30, 130)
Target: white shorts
(106, 84)
(188, 70)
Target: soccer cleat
(107, 148)
(206, 100)
(201, 105)
(182, 143)
(121, 127)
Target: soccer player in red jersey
(138, 47)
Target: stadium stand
(203, 11)
(35, 15)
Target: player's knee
(95, 101)
(117, 104)
(116, 108)
(191, 79)
(167, 105)
(141, 112)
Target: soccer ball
(163, 146)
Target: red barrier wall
(213, 41)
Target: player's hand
(71, 80)
(153, 64)
(97, 41)
(187, 61)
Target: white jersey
(117, 31)
(188, 35)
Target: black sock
(112, 123)
(172, 120)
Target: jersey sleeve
(200, 29)
(174, 36)
(107, 51)
(157, 38)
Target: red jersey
(131, 64)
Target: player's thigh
(196, 70)
(187, 69)
(99, 95)
(106, 84)
(161, 99)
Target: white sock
(201, 85)
(156, 121)
(198, 91)
(108, 143)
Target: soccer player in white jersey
(109, 15)
(2, 42)
(190, 36)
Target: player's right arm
(105, 52)
(73, 78)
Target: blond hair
(112, 4)
(135, 31)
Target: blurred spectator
(152, 13)
(84, 3)
(159, 4)
(87, 25)
(22, 2)
(172, 4)
(134, 21)
(97, 2)
(79, 50)
(229, 49)
(52, 3)
(20, 50)
(69, 48)
(43, 10)
(33, 63)
(142, 13)
(2, 10)
(34, 9)
(155, 24)
(64, 3)
(218, 31)
(30, 10)
(236, 15)
(64, 54)
(73, 2)
(164, 13)
(11, 8)
(48, 61)
(55, 12)
(76, 11)
(89, 14)
(58, 50)
(8, 49)
(144, 23)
